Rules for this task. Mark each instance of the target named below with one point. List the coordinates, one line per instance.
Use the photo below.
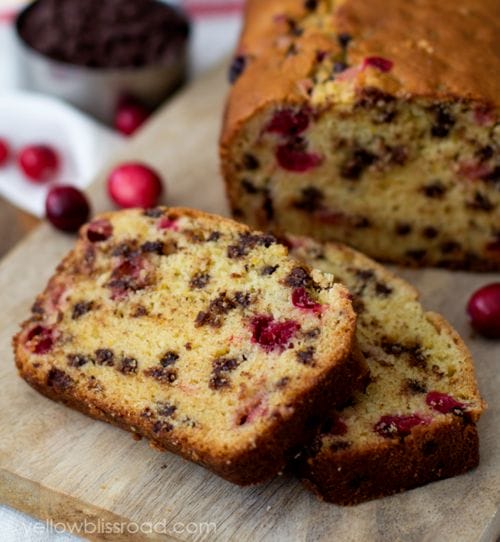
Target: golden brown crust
(351, 477)
(450, 52)
(253, 465)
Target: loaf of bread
(374, 123)
(415, 423)
(195, 332)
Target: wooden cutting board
(56, 463)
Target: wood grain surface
(56, 463)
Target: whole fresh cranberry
(4, 151)
(134, 185)
(66, 208)
(38, 162)
(484, 310)
(129, 116)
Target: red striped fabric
(208, 8)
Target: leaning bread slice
(415, 422)
(195, 332)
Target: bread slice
(342, 126)
(195, 332)
(415, 422)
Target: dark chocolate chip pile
(104, 33)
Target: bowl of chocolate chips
(95, 53)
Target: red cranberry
(99, 230)
(40, 339)
(271, 334)
(38, 162)
(338, 427)
(4, 151)
(398, 426)
(301, 300)
(444, 403)
(129, 116)
(167, 223)
(293, 157)
(484, 310)
(134, 185)
(288, 122)
(67, 208)
(378, 62)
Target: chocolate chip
(249, 187)
(283, 382)
(382, 106)
(154, 212)
(166, 409)
(162, 374)
(343, 38)
(242, 299)
(162, 427)
(59, 379)
(200, 280)
(268, 270)
(481, 202)
(155, 247)
(485, 153)
(361, 222)
(124, 249)
(493, 176)
(139, 311)
(236, 68)
(382, 289)
(310, 200)
(81, 308)
(354, 166)
(340, 445)
(247, 242)
(298, 277)
(443, 122)
(37, 308)
(434, 190)
(403, 228)
(450, 246)
(214, 236)
(311, 5)
(104, 356)
(430, 232)
(339, 66)
(220, 369)
(312, 333)
(365, 275)
(217, 308)
(306, 356)
(416, 254)
(169, 358)
(414, 386)
(294, 28)
(78, 360)
(268, 206)
(128, 366)
(250, 162)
